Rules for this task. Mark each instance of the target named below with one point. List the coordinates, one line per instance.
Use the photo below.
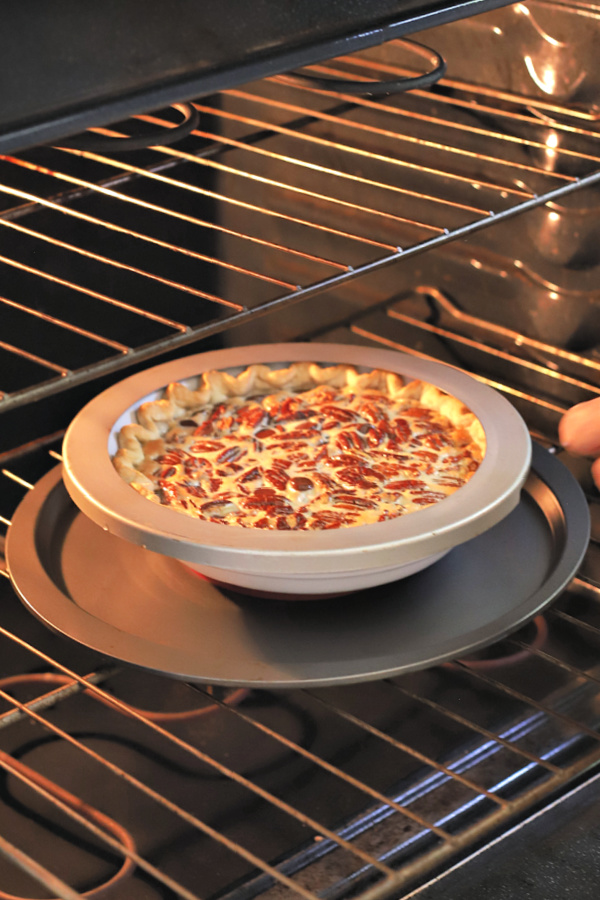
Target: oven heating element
(301, 214)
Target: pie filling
(327, 448)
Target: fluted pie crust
(305, 447)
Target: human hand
(579, 433)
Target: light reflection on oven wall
(525, 75)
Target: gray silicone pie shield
(489, 496)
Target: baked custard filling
(307, 447)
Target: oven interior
(457, 223)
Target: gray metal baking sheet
(148, 610)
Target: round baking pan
(149, 610)
(296, 562)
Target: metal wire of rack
(523, 720)
(110, 788)
(271, 169)
(477, 810)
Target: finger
(596, 472)
(579, 428)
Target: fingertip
(567, 427)
(595, 470)
(579, 428)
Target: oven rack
(112, 259)
(91, 245)
(100, 66)
(379, 862)
(352, 798)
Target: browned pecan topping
(320, 459)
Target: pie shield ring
(100, 493)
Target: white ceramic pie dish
(297, 563)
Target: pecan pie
(301, 448)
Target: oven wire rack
(113, 780)
(543, 734)
(111, 259)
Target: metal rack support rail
(131, 356)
